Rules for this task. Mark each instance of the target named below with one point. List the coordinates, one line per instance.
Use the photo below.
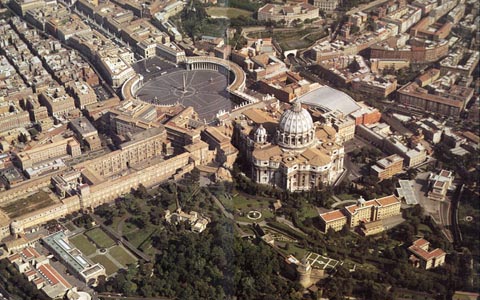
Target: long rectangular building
(448, 103)
(364, 212)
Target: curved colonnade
(223, 66)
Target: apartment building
(449, 102)
(386, 167)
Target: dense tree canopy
(213, 265)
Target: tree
(141, 192)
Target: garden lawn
(227, 12)
(294, 250)
(100, 238)
(265, 214)
(121, 255)
(83, 244)
(135, 235)
(110, 267)
(70, 226)
(308, 211)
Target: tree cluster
(214, 265)
(16, 284)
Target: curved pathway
(343, 202)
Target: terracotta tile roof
(421, 242)
(30, 252)
(332, 215)
(14, 257)
(445, 173)
(388, 200)
(419, 246)
(353, 208)
(53, 276)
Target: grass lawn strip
(99, 237)
(227, 12)
(137, 236)
(83, 244)
(70, 226)
(110, 267)
(121, 255)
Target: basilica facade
(289, 150)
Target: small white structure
(439, 185)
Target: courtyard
(96, 245)
(29, 204)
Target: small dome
(260, 134)
(261, 130)
(296, 120)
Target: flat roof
(406, 191)
(83, 126)
(61, 248)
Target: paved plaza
(202, 89)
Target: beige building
(38, 271)
(327, 5)
(226, 153)
(386, 167)
(344, 125)
(287, 13)
(49, 151)
(335, 219)
(116, 66)
(11, 120)
(197, 222)
(439, 184)
(373, 210)
(86, 132)
(423, 258)
(140, 147)
(83, 94)
(364, 213)
(57, 101)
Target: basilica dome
(295, 129)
